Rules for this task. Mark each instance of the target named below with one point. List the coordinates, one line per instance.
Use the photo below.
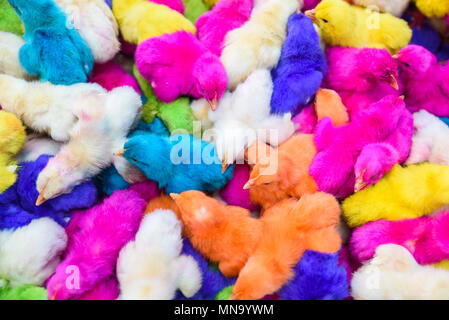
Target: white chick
(96, 24)
(243, 117)
(395, 7)
(258, 43)
(105, 120)
(10, 45)
(430, 140)
(37, 145)
(30, 254)
(393, 274)
(151, 267)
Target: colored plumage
(52, 50)
(301, 67)
(140, 20)
(95, 238)
(18, 203)
(177, 163)
(433, 8)
(227, 15)
(344, 165)
(193, 9)
(258, 42)
(342, 24)
(401, 194)
(395, 7)
(111, 75)
(24, 292)
(233, 193)
(9, 20)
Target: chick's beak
(174, 196)
(40, 200)
(224, 166)
(213, 103)
(120, 153)
(249, 184)
(360, 184)
(393, 82)
(311, 14)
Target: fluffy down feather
(433, 8)
(30, 254)
(10, 45)
(96, 237)
(96, 25)
(9, 20)
(394, 274)
(401, 194)
(258, 43)
(152, 267)
(37, 145)
(395, 7)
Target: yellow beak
(311, 14)
(40, 200)
(174, 196)
(249, 184)
(360, 184)
(120, 153)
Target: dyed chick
(197, 72)
(177, 163)
(394, 274)
(176, 5)
(318, 276)
(140, 20)
(12, 138)
(301, 68)
(227, 15)
(10, 45)
(430, 139)
(361, 76)
(258, 42)
(281, 173)
(289, 228)
(193, 9)
(96, 237)
(96, 25)
(24, 292)
(425, 81)
(425, 238)
(30, 254)
(234, 193)
(9, 20)
(52, 50)
(433, 8)
(112, 75)
(152, 267)
(395, 7)
(224, 234)
(342, 24)
(400, 195)
(243, 117)
(358, 154)
(18, 203)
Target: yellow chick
(433, 8)
(403, 193)
(140, 20)
(342, 24)
(12, 139)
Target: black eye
(325, 21)
(266, 184)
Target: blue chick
(177, 163)
(53, 50)
(301, 68)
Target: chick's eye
(266, 184)
(325, 21)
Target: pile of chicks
(231, 149)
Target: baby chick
(10, 45)
(53, 50)
(351, 26)
(258, 43)
(140, 20)
(96, 25)
(433, 8)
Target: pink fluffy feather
(105, 290)
(178, 64)
(176, 5)
(427, 238)
(306, 120)
(233, 193)
(111, 75)
(225, 16)
(96, 237)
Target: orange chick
(162, 202)
(329, 104)
(283, 172)
(289, 228)
(224, 234)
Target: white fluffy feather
(10, 45)
(258, 43)
(37, 145)
(96, 25)
(243, 117)
(430, 140)
(393, 274)
(395, 7)
(29, 255)
(151, 267)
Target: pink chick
(178, 64)
(111, 75)
(426, 82)
(176, 5)
(340, 147)
(105, 290)
(96, 237)
(361, 76)
(225, 16)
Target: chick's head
(416, 60)
(38, 13)
(210, 77)
(378, 65)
